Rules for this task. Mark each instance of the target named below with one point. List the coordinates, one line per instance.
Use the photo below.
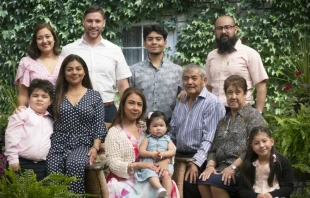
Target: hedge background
(267, 26)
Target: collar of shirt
(244, 110)
(203, 94)
(45, 114)
(256, 162)
(238, 45)
(82, 41)
(165, 60)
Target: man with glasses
(233, 58)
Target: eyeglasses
(226, 27)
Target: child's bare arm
(142, 150)
(170, 152)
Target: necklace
(227, 126)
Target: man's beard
(226, 46)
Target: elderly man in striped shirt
(193, 125)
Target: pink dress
(29, 69)
(130, 188)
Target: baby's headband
(149, 115)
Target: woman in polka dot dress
(79, 122)
(43, 61)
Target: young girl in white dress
(155, 147)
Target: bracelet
(96, 147)
(210, 166)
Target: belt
(108, 104)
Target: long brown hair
(121, 112)
(33, 50)
(62, 83)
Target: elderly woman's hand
(92, 155)
(228, 174)
(207, 172)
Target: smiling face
(39, 101)
(155, 43)
(158, 127)
(236, 98)
(133, 107)
(74, 73)
(93, 26)
(262, 145)
(45, 40)
(192, 82)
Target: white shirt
(106, 64)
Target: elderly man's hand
(191, 173)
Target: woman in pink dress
(43, 61)
(122, 150)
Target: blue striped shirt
(193, 129)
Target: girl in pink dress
(265, 173)
(43, 61)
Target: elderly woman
(220, 177)
(122, 150)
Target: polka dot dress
(74, 136)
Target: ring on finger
(229, 177)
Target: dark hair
(62, 83)
(33, 50)
(121, 112)
(154, 28)
(156, 115)
(226, 16)
(237, 82)
(92, 9)
(251, 156)
(41, 84)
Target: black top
(286, 188)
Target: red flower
(298, 73)
(287, 87)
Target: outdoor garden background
(278, 29)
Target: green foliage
(24, 185)
(291, 133)
(267, 26)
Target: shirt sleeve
(212, 152)
(23, 74)
(132, 78)
(98, 127)
(256, 68)
(208, 75)
(287, 187)
(245, 192)
(13, 135)
(114, 157)
(211, 118)
(122, 69)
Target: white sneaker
(161, 192)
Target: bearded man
(233, 58)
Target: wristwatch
(233, 166)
